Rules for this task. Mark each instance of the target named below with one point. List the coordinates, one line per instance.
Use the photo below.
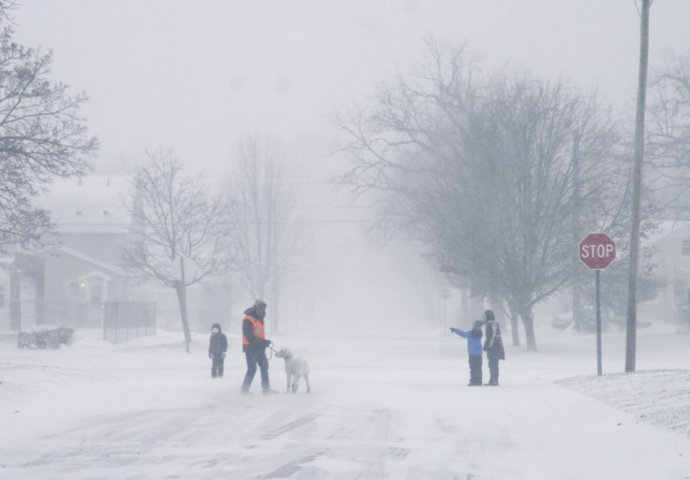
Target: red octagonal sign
(597, 251)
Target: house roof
(665, 229)
(92, 204)
(94, 261)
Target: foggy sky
(198, 76)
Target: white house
(671, 254)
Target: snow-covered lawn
(382, 406)
(659, 397)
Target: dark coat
(218, 344)
(493, 344)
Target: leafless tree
(176, 220)
(667, 143)
(262, 208)
(480, 171)
(6, 7)
(42, 135)
(668, 137)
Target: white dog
(295, 368)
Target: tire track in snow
(290, 426)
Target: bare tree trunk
(514, 327)
(528, 321)
(182, 301)
(631, 332)
(514, 323)
(577, 307)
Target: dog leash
(270, 347)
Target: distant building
(671, 254)
(69, 280)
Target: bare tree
(667, 136)
(176, 220)
(6, 6)
(263, 206)
(42, 136)
(480, 171)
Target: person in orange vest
(254, 345)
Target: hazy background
(197, 77)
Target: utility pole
(631, 332)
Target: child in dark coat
(474, 349)
(217, 347)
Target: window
(685, 247)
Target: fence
(125, 320)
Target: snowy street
(381, 407)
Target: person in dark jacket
(254, 345)
(493, 346)
(474, 349)
(217, 347)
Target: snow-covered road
(381, 407)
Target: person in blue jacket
(474, 349)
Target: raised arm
(462, 333)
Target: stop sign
(597, 251)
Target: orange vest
(257, 327)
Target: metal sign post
(597, 251)
(597, 283)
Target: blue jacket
(474, 340)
